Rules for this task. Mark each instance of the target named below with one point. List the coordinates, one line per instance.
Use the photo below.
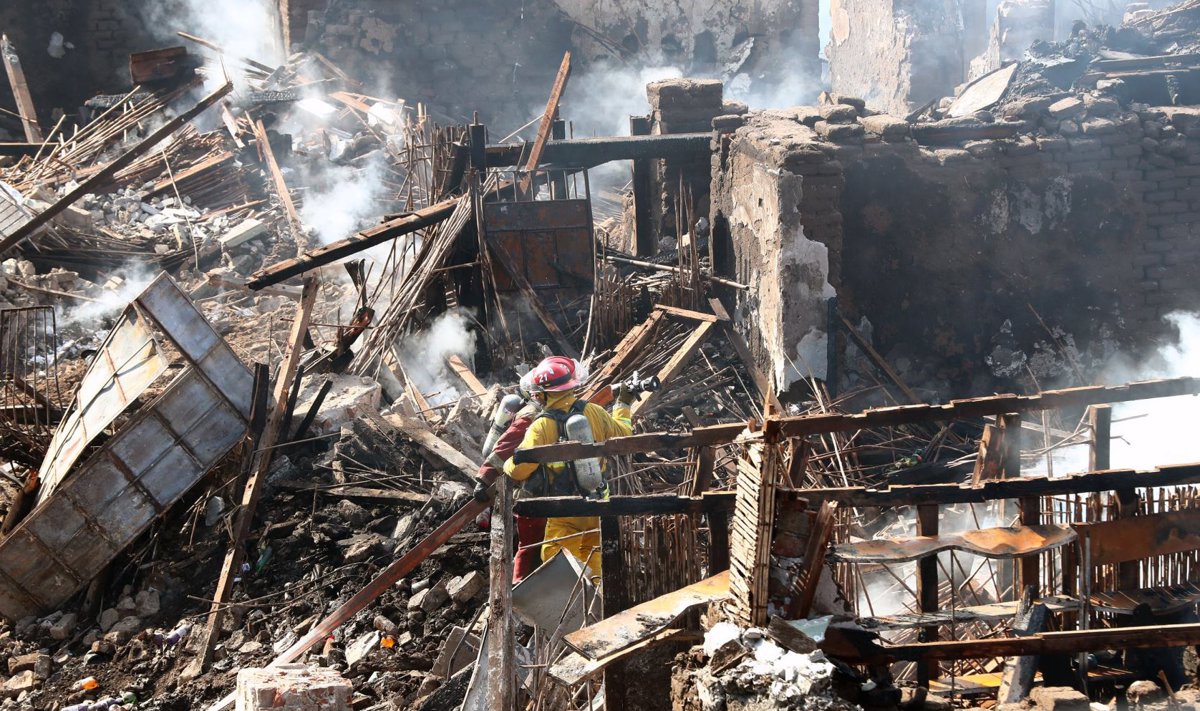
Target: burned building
(872, 390)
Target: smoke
(601, 101)
(343, 199)
(126, 282)
(424, 355)
(1147, 433)
(243, 28)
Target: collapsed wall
(896, 54)
(965, 255)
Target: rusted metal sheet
(1142, 536)
(158, 64)
(164, 449)
(625, 629)
(988, 542)
(550, 239)
(128, 362)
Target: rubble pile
(742, 669)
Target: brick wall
(1093, 220)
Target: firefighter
(552, 386)
(498, 450)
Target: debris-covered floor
(256, 323)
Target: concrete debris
(292, 686)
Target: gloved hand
(482, 492)
(625, 394)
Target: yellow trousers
(578, 535)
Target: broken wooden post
(104, 176)
(261, 463)
(750, 540)
(615, 599)
(20, 90)
(1100, 422)
(644, 244)
(805, 587)
(1018, 674)
(525, 182)
(927, 589)
(501, 657)
(281, 188)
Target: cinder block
(292, 687)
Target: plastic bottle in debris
(588, 474)
(501, 419)
(87, 683)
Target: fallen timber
(102, 176)
(804, 425)
(861, 497)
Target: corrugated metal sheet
(145, 467)
(128, 362)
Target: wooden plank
(464, 372)
(501, 657)
(101, 177)
(687, 314)
(626, 505)
(354, 492)
(281, 188)
(630, 347)
(20, 90)
(704, 459)
(1100, 450)
(263, 454)
(211, 161)
(1066, 642)
(680, 358)
(231, 125)
(989, 461)
(805, 588)
(525, 183)
(514, 272)
(435, 449)
(804, 425)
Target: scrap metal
(164, 449)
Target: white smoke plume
(1146, 433)
(89, 315)
(602, 99)
(343, 199)
(424, 354)
(243, 28)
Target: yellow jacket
(544, 430)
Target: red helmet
(554, 374)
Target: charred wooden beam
(952, 131)
(991, 490)
(804, 425)
(643, 505)
(591, 152)
(327, 254)
(845, 647)
(525, 182)
(20, 90)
